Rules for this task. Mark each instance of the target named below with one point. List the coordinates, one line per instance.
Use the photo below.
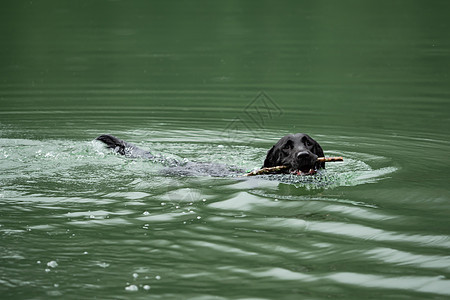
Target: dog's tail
(113, 143)
(121, 147)
(129, 150)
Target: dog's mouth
(303, 171)
(303, 168)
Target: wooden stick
(330, 159)
(277, 169)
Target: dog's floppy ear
(272, 157)
(317, 150)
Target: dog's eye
(308, 143)
(288, 145)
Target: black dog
(297, 151)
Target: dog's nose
(303, 155)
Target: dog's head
(297, 151)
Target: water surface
(222, 82)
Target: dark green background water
(222, 81)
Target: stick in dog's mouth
(279, 169)
(330, 159)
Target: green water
(223, 81)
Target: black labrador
(299, 152)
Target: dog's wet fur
(297, 151)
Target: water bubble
(146, 287)
(163, 203)
(146, 213)
(135, 275)
(157, 277)
(52, 264)
(132, 288)
(85, 252)
(198, 217)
